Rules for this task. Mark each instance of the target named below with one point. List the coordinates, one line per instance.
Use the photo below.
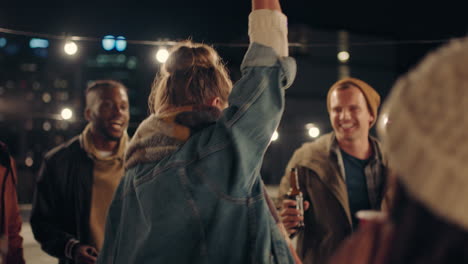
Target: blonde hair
(192, 74)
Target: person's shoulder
(375, 141)
(378, 150)
(64, 149)
(321, 144)
(4, 155)
(317, 150)
(3, 148)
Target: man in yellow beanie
(340, 173)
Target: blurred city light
(46, 126)
(343, 56)
(62, 96)
(38, 43)
(108, 42)
(162, 55)
(46, 97)
(28, 67)
(120, 43)
(275, 136)
(29, 161)
(36, 85)
(12, 49)
(41, 52)
(3, 42)
(63, 125)
(121, 59)
(28, 124)
(29, 96)
(10, 84)
(70, 48)
(132, 63)
(66, 113)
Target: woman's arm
(266, 4)
(268, 26)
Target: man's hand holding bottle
(293, 218)
(292, 214)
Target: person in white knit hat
(427, 144)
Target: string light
(343, 56)
(66, 113)
(46, 97)
(312, 130)
(70, 48)
(162, 55)
(238, 45)
(46, 126)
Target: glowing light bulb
(70, 48)
(120, 43)
(162, 55)
(343, 56)
(314, 132)
(46, 97)
(108, 42)
(66, 113)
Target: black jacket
(62, 199)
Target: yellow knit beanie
(372, 97)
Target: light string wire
(240, 45)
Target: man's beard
(108, 136)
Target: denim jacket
(205, 203)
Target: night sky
(225, 21)
(219, 20)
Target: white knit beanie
(426, 138)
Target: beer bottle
(295, 193)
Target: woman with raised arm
(192, 192)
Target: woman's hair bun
(186, 56)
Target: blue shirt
(356, 185)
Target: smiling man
(78, 178)
(340, 173)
